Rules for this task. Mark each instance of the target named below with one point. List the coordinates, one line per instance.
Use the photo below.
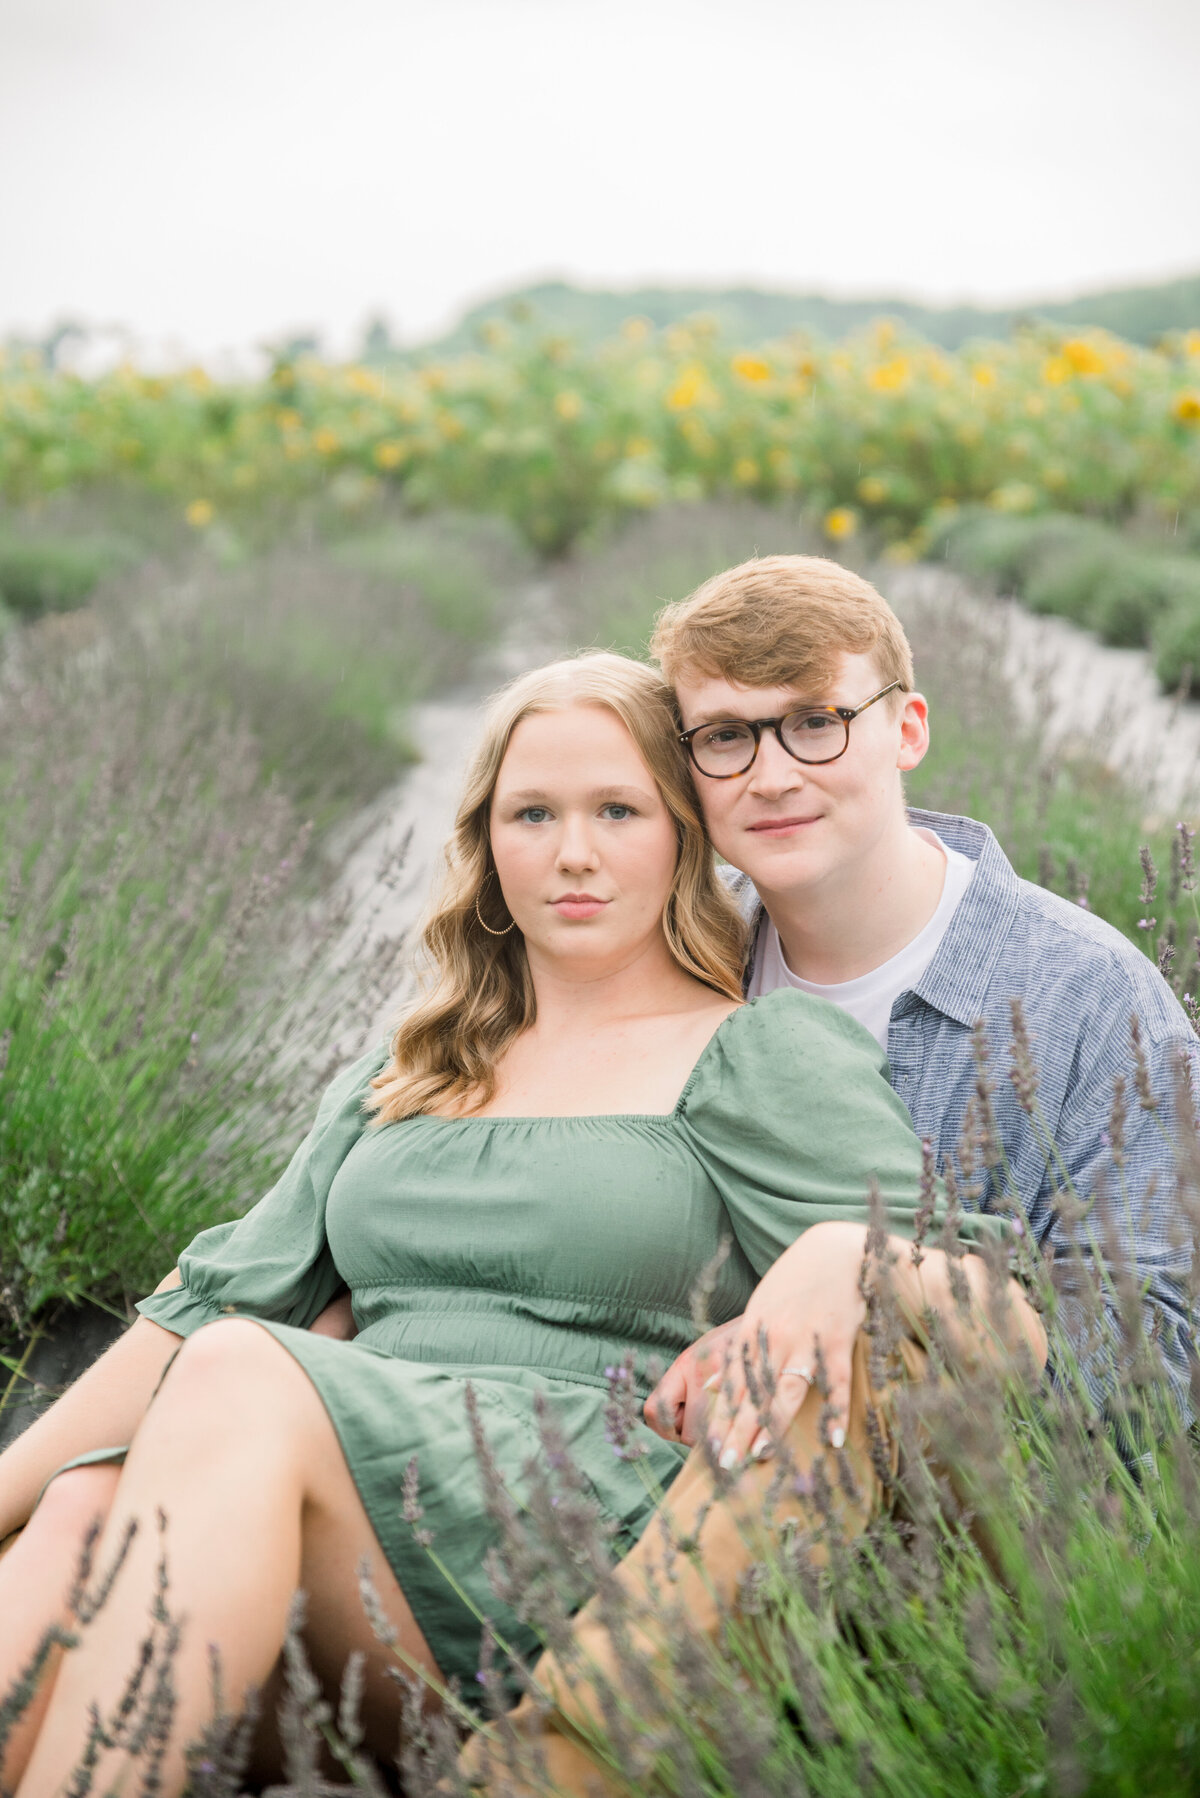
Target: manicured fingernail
(714, 1442)
(762, 1447)
(714, 1379)
(838, 1437)
(730, 1459)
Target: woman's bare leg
(36, 1576)
(239, 1454)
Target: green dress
(526, 1255)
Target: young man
(800, 715)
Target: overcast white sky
(216, 171)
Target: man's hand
(677, 1406)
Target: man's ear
(914, 731)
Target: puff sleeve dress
(526, 1255)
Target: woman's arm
(101, 1410)
(105, 1405)
(337, 1320)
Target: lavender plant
(1019, 1619)
(610, 596)
(319, 648)
(170, 759)
(149, 874)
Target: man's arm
(1126, 1137)
(811, 1294)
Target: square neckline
(595, 1117)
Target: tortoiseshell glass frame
(847, 714)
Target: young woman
(517, 1190)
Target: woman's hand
(810, 1294)
(808, 1299)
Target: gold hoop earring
(488, 927)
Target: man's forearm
(980, 1331)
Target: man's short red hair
(781, 621)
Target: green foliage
(1131, 590)
(163, 926)
(1055, 562)
(1072, 1672)
(1129, 597)
(140, 860)
(877, 437)
(1066, 581)
(463, 566)
(1142, 314)
(50, 574)
(1177, 637)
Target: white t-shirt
(871, 996)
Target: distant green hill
(1140, 314)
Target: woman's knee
(222, 1358)
(74, 1501)
(235, 1376)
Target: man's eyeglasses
(814, 734)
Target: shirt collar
(957, 979)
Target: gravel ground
(1088, 694)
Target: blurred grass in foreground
(1019, 1620)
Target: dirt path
(1086, 694)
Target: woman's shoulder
(761, 1048)
(788, 1015)
(348, 1089)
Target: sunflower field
(881, 437)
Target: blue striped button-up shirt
(1079, 982)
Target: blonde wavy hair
(478, 992)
